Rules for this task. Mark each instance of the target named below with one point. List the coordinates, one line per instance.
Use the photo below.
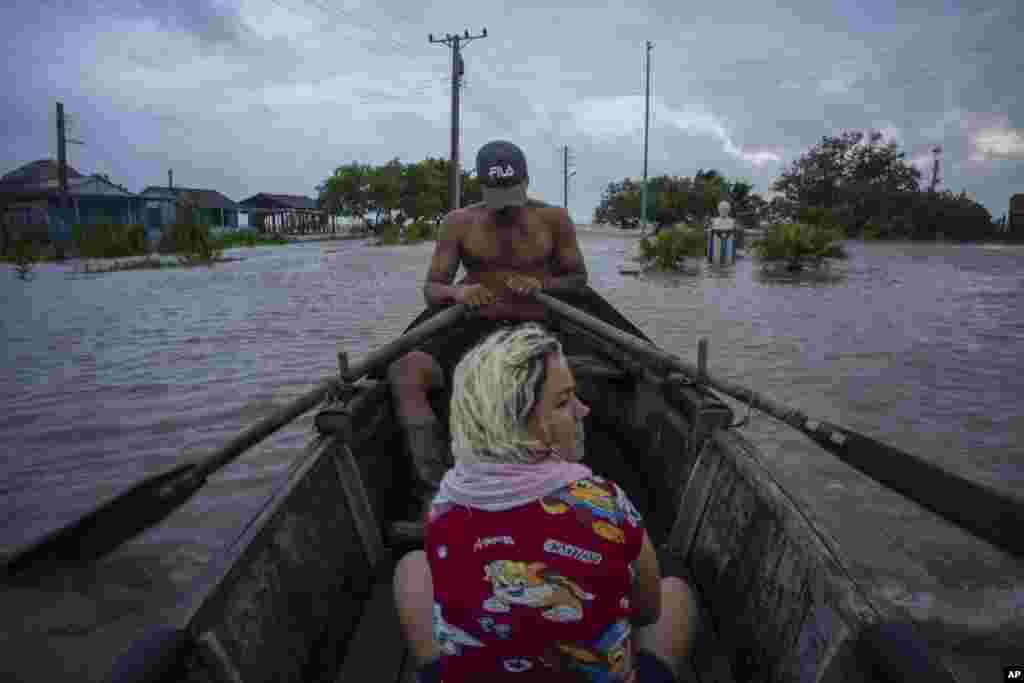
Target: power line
(347, 18)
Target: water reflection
(805, 278)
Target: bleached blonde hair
(494, 388)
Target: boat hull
(302, 589)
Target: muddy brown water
(108, 378)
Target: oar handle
(983, 511)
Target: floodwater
(109, 378)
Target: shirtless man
(510, 246)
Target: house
(286, 213)
(1015, 218)
(31, 201)
(164, 205)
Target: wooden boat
(304, 592)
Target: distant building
(1015, 217)
(286, 213)
(164, 205)
(31, 202)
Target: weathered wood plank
(693, 501)
(358, 501)
(780, 594)
(217, 659)
(377, 651)
(280, 598)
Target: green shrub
(192, 243)
(873, 231)
(389, 235)
(109, 240)
(817, 217)
(799, 244)
(672, 245)
(26, 254)
(420, 231)
(246, 238)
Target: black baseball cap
(501, 168)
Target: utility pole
(62, 154)
(935, 168)
(62, 157)
(566, 161)
(647, 120)
(62, 169)
(455, 42)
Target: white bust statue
(722, 221)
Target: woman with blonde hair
(534, 568)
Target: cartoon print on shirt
(593, 501)
(517, 665)
(489, 625)
(533, 585)
(606, 659)
(626, 505)
(451, 639)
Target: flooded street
(109, 378)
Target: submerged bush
(26, 254)
(420, 231)
(671, 246)
(246, 238)
(109, 240)
(389, 235)
(799, 245)
(191, 242)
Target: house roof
(40, 179)
(96, 184)
(37, 172)
(265, 200)
(203, 199)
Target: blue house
(32, 205)
(163, 205)
(1015, 217)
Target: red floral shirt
(542, 589)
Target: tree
(346, 190)
(855, 177)
(620, 205)
(385, 192)
(421, 190)
(673, 199)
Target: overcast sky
(247, 96)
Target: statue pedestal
(722, 242)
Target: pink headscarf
(502, 486)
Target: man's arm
(570, 271)
(443, 266)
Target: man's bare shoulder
(458, 221)
(554, 216)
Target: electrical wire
(350, 19)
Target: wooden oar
(154, 498)
(983, 511)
